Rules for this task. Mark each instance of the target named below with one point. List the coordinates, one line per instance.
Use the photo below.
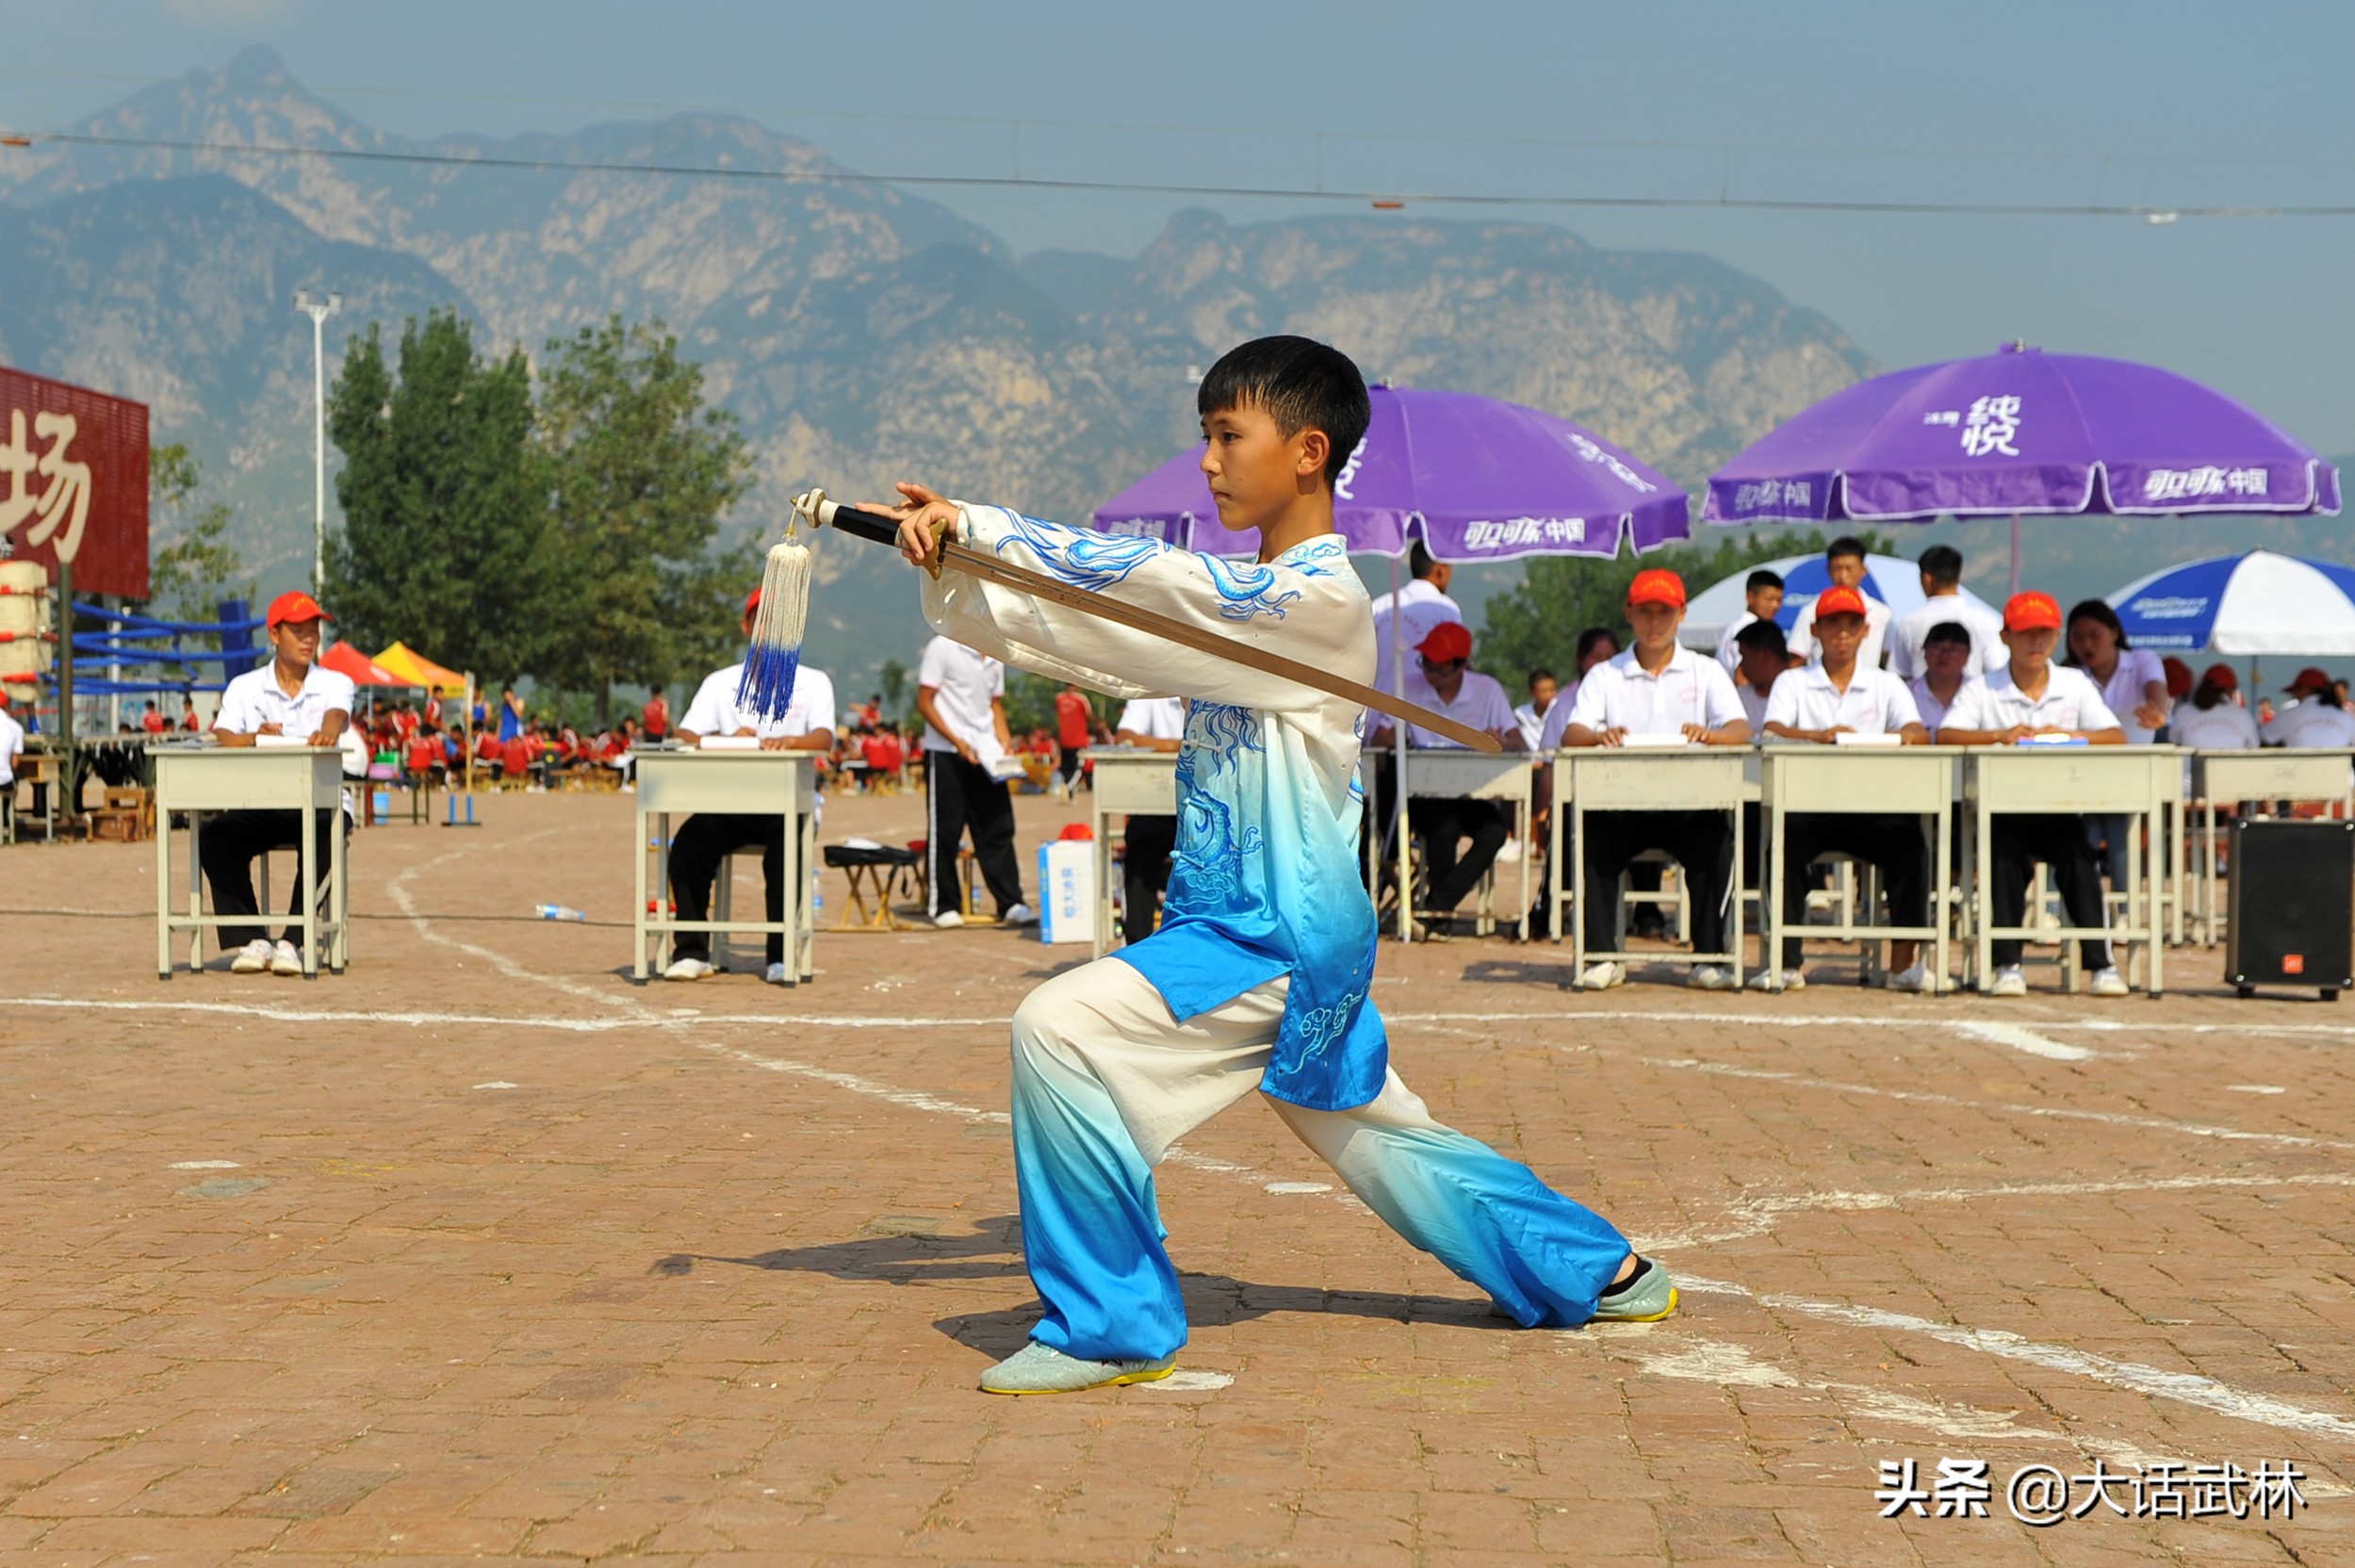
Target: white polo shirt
(2136, 668)
(963, 682)
(255, 699)
(1154, 718)
(1418, 608)
(1876, 619)
(2227, 726)
(715, 710)
(1620, 693)
(1876, 703)
(1480, 702)
(1532, 723)
(1987, 652)
(11, 745)
(1925, 701)
(1727, 654)
(2311, 722)
(2071, 701)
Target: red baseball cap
(1656, 585)
(2308, 681)
(2032, 612)
(1836, 600)
(1448, 640)
(295, 606)
(2221, 677)
(2178, 681)
(753, 603)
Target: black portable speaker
(2291, 910)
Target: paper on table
(2051, 740)
(728, 742)
(1655, 738)
(278, 742)
(1851, 738)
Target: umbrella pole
(1397, 765)
(2015, 552)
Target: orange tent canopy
(346, 660)
(415, 669)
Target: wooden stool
(871, 871)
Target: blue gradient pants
(1105, 1080)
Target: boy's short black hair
(1542, 673)
(1762, 637)
(1419, 563)
(1302, 384)
(1848, 545)
(1761, 579)
(1948, 631)
(1942, 565)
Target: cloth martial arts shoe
(2009, 981)
(947, 920)
(1020, 914)
(1038, 1368)
(1646, 1298)
(285, 958)
(1711, 977)
(1603, 975)
(777, 975)
(2109, 983)
(253, 958)
(690, 969)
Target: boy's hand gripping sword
(771, 656)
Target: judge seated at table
(1149, 724)
(1658, 690)
(1834, 696)
(295, 697)
(2315, 719)
(1948, 657)
(1451, 687)
(2030, 697)
(703, 840)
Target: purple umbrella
(2019, 432)
(1479, 479)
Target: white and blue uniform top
(1266, 880)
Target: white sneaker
(690, 969)
(779, 974)
(947, 920)
(1020, 914)
(253, 958)
(1916, 979)
(287, 958)
(2009, 981)
(2109, 983)
(1712, 977)
(1775, 980)
(1602, 975)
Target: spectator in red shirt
(188, 715)
(1074, 725)
(153, 720)
(425, 757)
(656, 717)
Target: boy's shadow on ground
(993, 1250)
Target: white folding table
(1128, 781)
(1848, 781)
(200, 777)
(677, 782)
(1644, 778)
(1455, 772)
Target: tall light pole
(319, 310)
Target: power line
(1387, 199)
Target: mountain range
(861, 334)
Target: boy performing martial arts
(1258, 976)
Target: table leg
(1100, 828)
(2156, 848)
(306, 857)
(1556, 814)
(163, 895)
(1982, 906)
(196, 892)
(1943, 880)
(639, 910)
(1771, 828)
(1406, 847)
(1578, 891)
(338, 901)
(1529, 853)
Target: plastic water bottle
(557, 911)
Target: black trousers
(1067, 767)
(1144, 873)
(1700, 841)
(1442, 822)
(697, 850)
(961, 797)
(1892, 842)
(226, 845)
(2023, 840)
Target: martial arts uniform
(708, 836)
(228, 843)
(1258, 977)
(1876, 703)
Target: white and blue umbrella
(1893, 580)
(2255, 603)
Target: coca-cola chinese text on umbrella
(2021, 432)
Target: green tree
(445, 502)
(1536, 624)
(893, 680)
(642, 474)
(189, 576)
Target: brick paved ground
(481, 1250)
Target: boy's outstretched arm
(1311, 610)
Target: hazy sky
(2149, 102)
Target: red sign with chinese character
(74, 482)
